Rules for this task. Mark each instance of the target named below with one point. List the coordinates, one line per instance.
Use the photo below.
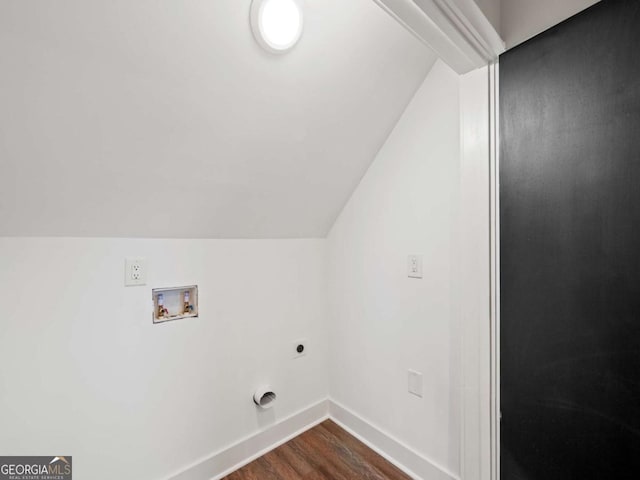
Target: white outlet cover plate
(135, 271)
(414, 266)
(294, 347)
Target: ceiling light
(276, 24)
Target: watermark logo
(36, 468)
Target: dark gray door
(570, 249)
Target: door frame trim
(494, 212)
(456, 30)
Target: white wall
(491, 9)
(383, 323)
(85, 372)
(523, 19)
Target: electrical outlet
(414, 266)
(135, 271)
(415, 383)
(299, 348)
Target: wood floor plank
(367, 459)
(326, 452)
(383, 465)
(343, 458)
(280, 467)
(287, 454)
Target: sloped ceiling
(164, 118)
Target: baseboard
(222, 463)
(406, 459)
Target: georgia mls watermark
(35, 468)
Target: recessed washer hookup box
(174, 303)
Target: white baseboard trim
(222, 463)
(405, 458)
(230, 459)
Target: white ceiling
(163, 118)
(523, 19)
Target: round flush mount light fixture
(276, 24)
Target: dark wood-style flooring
(325, 452)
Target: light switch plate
(414, 266)
(135, 271)
(415, 383)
